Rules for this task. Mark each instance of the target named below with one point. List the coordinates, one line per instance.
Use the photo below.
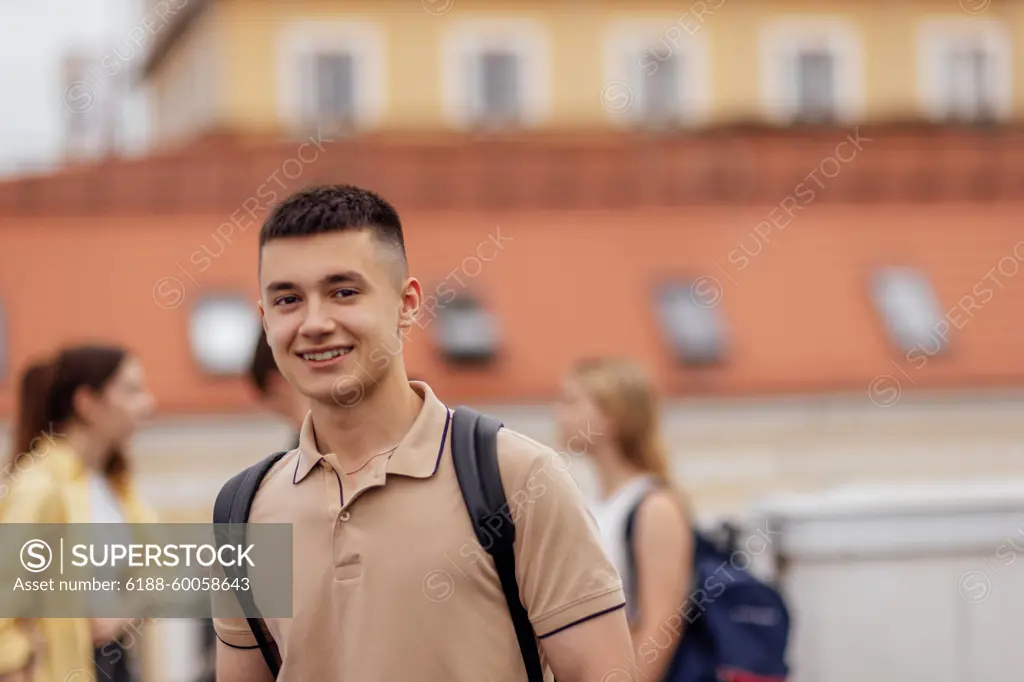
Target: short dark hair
(263, 365)
(333, 208)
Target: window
(496, 74)
(223, 332)
(964, 70)
(815, 84)
(658, 72)
(497, 85)
(662, 99)
(333, 88)
(812, 71)
(690, 319)
(904, 299)
(968, 93)
(466, 331)
(331, 75)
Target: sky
(34, 34)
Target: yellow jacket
(53, 487)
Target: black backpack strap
(234, 502)
(630, 579)
(475, 455)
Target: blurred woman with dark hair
(76, 414)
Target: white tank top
(611, 514)
(105, 508)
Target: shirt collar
(417, 455)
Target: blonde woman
(76, 414)
(612, 401)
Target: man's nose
(317, 320)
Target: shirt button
(345, 516)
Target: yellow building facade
(267, 66)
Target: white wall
(905, 583)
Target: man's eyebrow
(343, 277)
(281, 286)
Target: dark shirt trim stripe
(341, 488)
(236, 646)
(298, 461)
(444, 438)
(583, 620)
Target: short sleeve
(564, 574)
(235, 632)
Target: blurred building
(803, 217)
(804, 220)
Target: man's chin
(343, 391)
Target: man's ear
(412, 299)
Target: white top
(611, 514)
(105, 508)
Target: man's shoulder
(279, 469)
(516, 445)
(281, 463)
(520, 456)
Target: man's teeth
(326, 355)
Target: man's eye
(285, 300)
(345, 293)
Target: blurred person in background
(86, 403)
(613, 403)
(281, 398)
(275, 392)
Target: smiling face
(336, 307)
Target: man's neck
(376, 424)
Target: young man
(390, 582)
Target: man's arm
(596, 650)
(239, 658)
(241, 665)
(570, 588)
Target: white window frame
(936, 36)
(299, 41)
(467, 39)
(782, 40)
(626, 45)
(908, 305)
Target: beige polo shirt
(390, 581)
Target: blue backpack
(735, 627)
